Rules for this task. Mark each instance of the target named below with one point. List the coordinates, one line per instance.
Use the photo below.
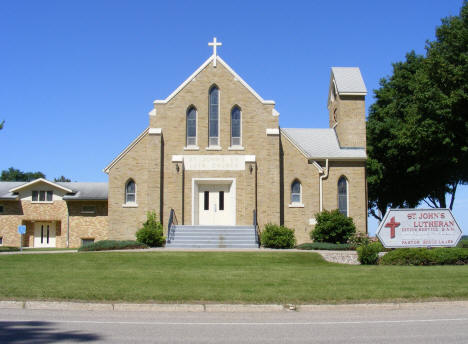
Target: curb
(226, 308)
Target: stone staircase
(212, 237)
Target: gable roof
(206, 63)
(321, 144)
(126, 150)
(39, 180)
(348, 80)
(75, 190)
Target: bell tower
(346, 106)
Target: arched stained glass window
(236, 126)
(343, 196)
(191, 127)
(296, 190)
(130, 192)
(214, 117)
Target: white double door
(44, 234)
(215, 205)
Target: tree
(62, 179)
(1, 125)
(13, 174)
(417, 129)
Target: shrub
(105, 245)
(151, 233)
(369, 254)
(333, 227)
(9, 249)
(274, 236)
(325, 246)
(424, 256)
(463, 243)
(359, 239)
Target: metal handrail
(257, 235)
(170, 225)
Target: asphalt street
(444, 325)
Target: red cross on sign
(392, 225)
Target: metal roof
(321, 144)
(80, 190)
(349, 80)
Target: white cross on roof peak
(214, 44)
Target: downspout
(68, 228)
(324, 175)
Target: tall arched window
(213, 126)
(130, 192)
(191, 127)
(236, 126)
(343, 195)
(296, 191)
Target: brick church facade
(215, 155)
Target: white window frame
(295, 204)
(218, 145)
(126, 203)
(239, 146)
(347, 194)
(39, 196)
(194, 146)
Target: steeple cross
(214, 44)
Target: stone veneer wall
(24, 212)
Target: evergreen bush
(333, 227)
(325, 246)
(369, 254)
(274, 236)
(104, 245)
(424, 256)
(151, 233)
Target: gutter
(323, 176)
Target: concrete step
(187, 227)
(212, 237)
(212, 242)
(174, 245)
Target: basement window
(1, 209)
(87, 241)
(1, 241)
(88, 209)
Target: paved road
(445, 325)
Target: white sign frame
(418, 236)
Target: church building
(214, 156)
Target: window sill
(236, 148)
(191, 148)
(296, 205)
(214, 148)
(130, 205)
(40, 202)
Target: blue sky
(77, 78)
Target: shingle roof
(5, 188)
(81, 190)
(348, 80)
(321, 144)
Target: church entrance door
(215, 206)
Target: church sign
(419, 228)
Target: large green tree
(1, 124)
(13, 174)
(417, 128)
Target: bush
(325, 246)
(152, 232)
(333, 227)
(463, 243)
(105, 245)
(424, 256)
(359, 239)
(9, 249)
(274, 236)
(369, 254)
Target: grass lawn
(239, 277)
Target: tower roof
(348, 80)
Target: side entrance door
(44, 234)
(214, 205)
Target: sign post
(419, 228)
(21, 231)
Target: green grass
(239, 277)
